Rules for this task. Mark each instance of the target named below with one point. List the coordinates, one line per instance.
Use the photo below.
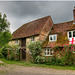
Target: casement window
(48, 52)
(52, 37)
(32, 38)
(16, 41)
(71, 34)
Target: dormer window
(52, 37)
(32, 38)
(71, 34)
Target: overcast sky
(19, 13)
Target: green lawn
(36, 65)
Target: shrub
(11, 56)
(35, 49)
(67, 57)
(40, 60)
(4, 52)
(13, 52)
(1, 55)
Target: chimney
(74, 14)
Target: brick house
(47, 32)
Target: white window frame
(32, 39)
(16, 41)
(47, 51)
(71, 32)
(52, 37)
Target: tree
(5, 34)
(35, 49)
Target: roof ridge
(31, 22)
(36, 20)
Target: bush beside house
(35, 50)
(62, 56)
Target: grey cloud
(22, 12)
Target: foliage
(13, 46)
(66, 56)
(40, 60)
(13, 52)
(56, 48)
(4, 52)
(12, 55)
(35, 49)
(1, 55)
(62, 39)
(5, 34)
(62, 57)
(20, 63)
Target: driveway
(22, 70)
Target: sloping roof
(31, 28)
(60, 28)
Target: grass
(20, 63)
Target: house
(47, 32)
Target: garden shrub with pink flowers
(63, 57)
(66, 55)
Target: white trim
(52, 37)
(16, 41)
(45, 52)
(32, 39)
(68, 34)
(48, 55)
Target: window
(71, 34)
(48, 52)
(16, 41)
(52, 37)
(32, 38)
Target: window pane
(70, 34)
(16, 41)
(32, 38)
(73, 33)
(44, 53)
(54, 37)
(50, 37)
(47, 51)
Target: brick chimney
(74, 14)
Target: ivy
(62, 39)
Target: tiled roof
(60, 28)
(31, 28)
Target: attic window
(52, 37)
(71, 34)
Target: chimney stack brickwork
(74, 14)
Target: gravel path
(22, 70)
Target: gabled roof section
(62, 27)
(30, 29)
(57, 29)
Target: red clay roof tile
(30, 29)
